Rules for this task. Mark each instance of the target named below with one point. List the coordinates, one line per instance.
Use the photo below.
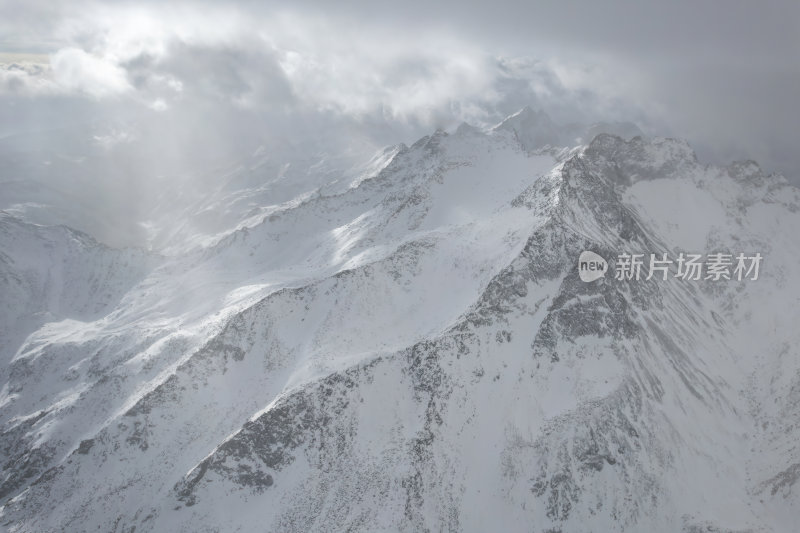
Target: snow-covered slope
(52, 273)
(407, 346)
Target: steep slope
(416, 352)
(52, 279)
(396, 226)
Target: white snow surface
(403, 344)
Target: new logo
(591, 266)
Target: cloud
(76, 70)
(720, 73)
(290, 59)
(68, 71)
(20, 78)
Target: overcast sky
(723, 74)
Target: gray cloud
(723, 74)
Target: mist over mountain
(399, 267)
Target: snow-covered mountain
(405, 344)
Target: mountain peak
(526, 117)
(532, 129)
